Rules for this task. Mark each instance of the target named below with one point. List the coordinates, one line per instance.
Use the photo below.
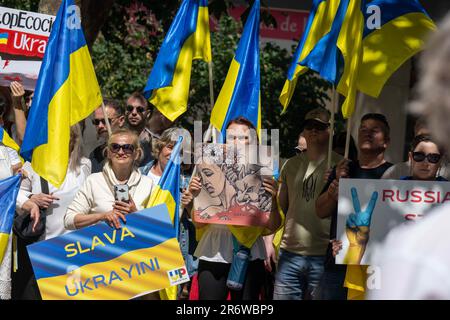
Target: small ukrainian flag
(4, 38)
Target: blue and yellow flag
(7, 141)
(4, 38)
(240, 94)
(9, 189)
(405, 26)
(319, 23)
(103, 263)
(187, 39)
(168, 192)
(67, 91)
(338, 55)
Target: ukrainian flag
(4, 38)
(7, 141)
(168, 192)
(9, 188)
(67, 91)
(188, 38)
(319, 23)
(338, 55)
(405, 26)
(240, 94)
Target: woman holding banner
(35, 196)
(218, 243)
(118, 190)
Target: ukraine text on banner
(188, 38)
(67, 91)
(240, 94)
(338, 55)
(9, 188)
(319, 23)
(102, 263)
(404, 27)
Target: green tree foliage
(29, 5)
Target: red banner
(290, 23)
(22, 43)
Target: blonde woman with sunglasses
(97, 199)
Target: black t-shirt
(355, 172)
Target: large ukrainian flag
(188, 38)
(67, 91)
(9, 188)
(404, 28)
(240, 94)
(168, 192)
(338, 55)
(319, 23)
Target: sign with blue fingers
(369, 209)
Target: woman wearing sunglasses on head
(425, 157)
(118, 190)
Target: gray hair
(433, 89)
(169, 136)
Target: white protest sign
(369, 209)
(23, 39)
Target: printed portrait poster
(23, 40)
(103, 263)
(369, 209)
(232, 185)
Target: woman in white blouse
(96, 202)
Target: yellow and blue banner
(168, 192)
(188, 38)
(67, 92)
(9, 189)
(103, 263)
(338, 55)
(319, 24)
(240, 95)
(404, 28)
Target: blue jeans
(331, 285)
(297, 276)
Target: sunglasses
(139, 109)
(127, 148)
(431, 157)
(97, 122)
(316, 125)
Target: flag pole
(333, 110)
(347, 139)
(211, 130)
(108, 125)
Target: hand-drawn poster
(232, 185)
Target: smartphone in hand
(121, 192)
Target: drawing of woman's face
(213, 179)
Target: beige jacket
(97, 195)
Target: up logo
(178, 276)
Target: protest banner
(369, 209)
(23, 39)
(99, 262)
(232, 185)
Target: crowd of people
(292, 258)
